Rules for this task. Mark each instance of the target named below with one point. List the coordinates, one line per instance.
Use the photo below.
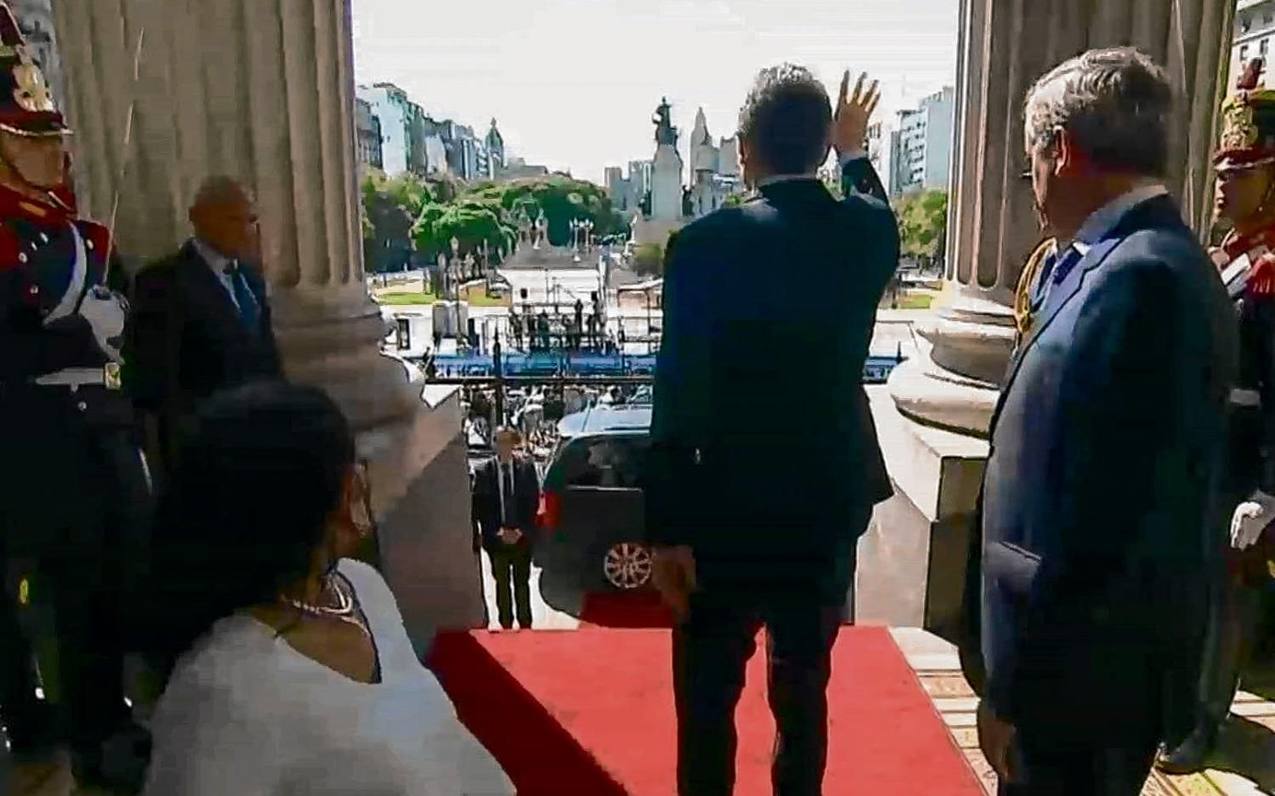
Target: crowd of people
(180, 503)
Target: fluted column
(1004, 46)
(165, 93)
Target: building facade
(402, 132)
(367, 127)
(1254, 30)
(882, 145)
(495, 151)
(921, 148)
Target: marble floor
(1244, 764)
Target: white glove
(1250, 519)
(105, 312)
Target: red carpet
(625, 609)
(590, 713)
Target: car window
(612, 462)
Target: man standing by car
(754, 515)
(506, 494)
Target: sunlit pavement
(1244, 763)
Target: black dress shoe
(1189, 756)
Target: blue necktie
(249, 312)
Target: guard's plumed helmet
(26, 104)
(1248, 122)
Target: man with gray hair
(200, 320)
(1105, 446)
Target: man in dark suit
(754, 516)
(200, 320)
(506, 496)
(1106, 445)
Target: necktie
(507, 473)
(1068, 260)
(249, 313)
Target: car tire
(625, 566)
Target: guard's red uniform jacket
(1247, 267)
(49, 260)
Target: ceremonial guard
(1029, 295)
(1245, 164)
(73, 491)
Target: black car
(591, 512)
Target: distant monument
(666, 171)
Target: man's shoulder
(866, 206)
(725, 220)
(1163, 249)
(163, 270)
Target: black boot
(1189, 756)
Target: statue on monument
(73, 503)
(665, 132)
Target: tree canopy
(409, 219)
(923, 224)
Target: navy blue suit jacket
(764, 456)
(1105, 448)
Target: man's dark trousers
(1053, 765)
(710, 652)
(512, 562)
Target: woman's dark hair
(787, 118)
(245, 508)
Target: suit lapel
(210, 290)
(1065, 291)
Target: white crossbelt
(1248, 398)
(73, 377)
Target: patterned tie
(249, 312)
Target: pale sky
(573, 83)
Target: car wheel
(627, 566)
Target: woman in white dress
(289, 670)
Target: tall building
(495, 151)
(882, 145)
(728, 157)
(367, 128)
(640, 178)
(1254, 29)
(923, 144)
(402, 128)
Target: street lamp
(454, 269)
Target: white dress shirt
(1098, 224)
(218, 262)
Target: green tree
(648, 260)
(923, 224)
(562, 199)
(389, 210)
(471, 222)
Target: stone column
(164, 93)
(1005, 45)
(933, 431)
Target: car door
(601, 501)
